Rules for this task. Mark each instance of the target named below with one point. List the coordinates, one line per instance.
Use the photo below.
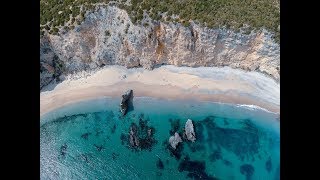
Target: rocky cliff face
(108, 37)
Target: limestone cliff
(108, 37)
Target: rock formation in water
(133, 133)
(108, 37)
(125, 102)
(175, 140)
(140, 137)
(189, 130)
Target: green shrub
(186, 23)
(55, 30)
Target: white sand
(170, 82)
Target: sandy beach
(225, 85)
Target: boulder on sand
(189, 130)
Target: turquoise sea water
(89, 140)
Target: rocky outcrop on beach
(125, 102)
(189, 130)
(108, 37)
(175, 140)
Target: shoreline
(224, 85)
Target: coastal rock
(175, 140)
(88, 46)
(189, 130)
(125, 102)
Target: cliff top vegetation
(232, 14)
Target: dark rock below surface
(196, 169)
(247, 170)
(160, 164)
(140, 137)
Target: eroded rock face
(191, 136)
(175, 140)
(51, 67)
(108, 37)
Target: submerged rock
(247, 170)
(115, 155)
(63, 149)
(113, 128)
(85, 136)
(125, 102)
(160, 164)
(189, 130)
(176, 153)
(244, 142)
(195, 169)
(216, 155)
(140, 137)
(269, 165)
(134, 140)
(175, 140)
(227, 163)
(124, 138)
(99, 148)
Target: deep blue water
(89, 140)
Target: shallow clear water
(233, 142)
